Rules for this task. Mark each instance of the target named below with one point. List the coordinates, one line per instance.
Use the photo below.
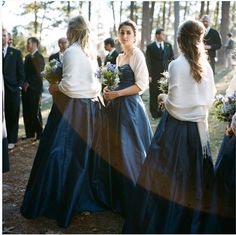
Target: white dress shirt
(207, 30)
(232, 86)
(5, 50)
(110, 52)
(79, 80)
(160, 44)
(188, 100)
(34, 51)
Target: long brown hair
(190, 41)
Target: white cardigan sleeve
(139, 67)
(232, 86)
(233, 124)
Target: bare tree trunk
(169, 15)
(159, 15)
(164, 15)
(68, 10)
(114, 17)
(224, 27)
(216, 15)
(176, 24)
(35, 19)
(185, 9)
(89, 10)
(43, 18)
(233, 19)
(121, 3)
(136, 12)
(145, 23)
(132, 6)
(151, 13)
(202, 9)
(208, 10)
(80, 7)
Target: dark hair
(130, 23)
(109, 41)
(159, 30)
(190, 40)
(34, 40)
(229, 35)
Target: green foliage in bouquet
(164, 82)
(53, 71)
(225, 107)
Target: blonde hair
(79, 32)
(190, 40)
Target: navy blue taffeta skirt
(63, 178)
(175, 184)
(225, 186)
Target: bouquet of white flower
(225, 107)
(53, 71)
(109, 75)
(164, 82)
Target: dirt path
(14, 183)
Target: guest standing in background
(158, 56)
(109, 46)
(13, 75)
(63, 44)
(212, 41)
(228, 51)
(173, 187)
(32, 90)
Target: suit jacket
(229, 46)
(214, 40)
(34, 65)
(13, 70)
(54, 56)
(111, 58)
(156, 61)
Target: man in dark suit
(32, 90)
(212, 41)
(63, 44)
(109, 46)
(13, 74)
(158, 56)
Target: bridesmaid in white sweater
(170, 190)
(62, 180)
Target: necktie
(3, 59)
(160, 47)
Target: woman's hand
(53, 88)
(160, 100)
(229, 131)
(110, 95)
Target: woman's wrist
(119, 93)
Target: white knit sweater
(79, 80)
(188, 100)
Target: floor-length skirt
(171, 192)
(63, 178)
